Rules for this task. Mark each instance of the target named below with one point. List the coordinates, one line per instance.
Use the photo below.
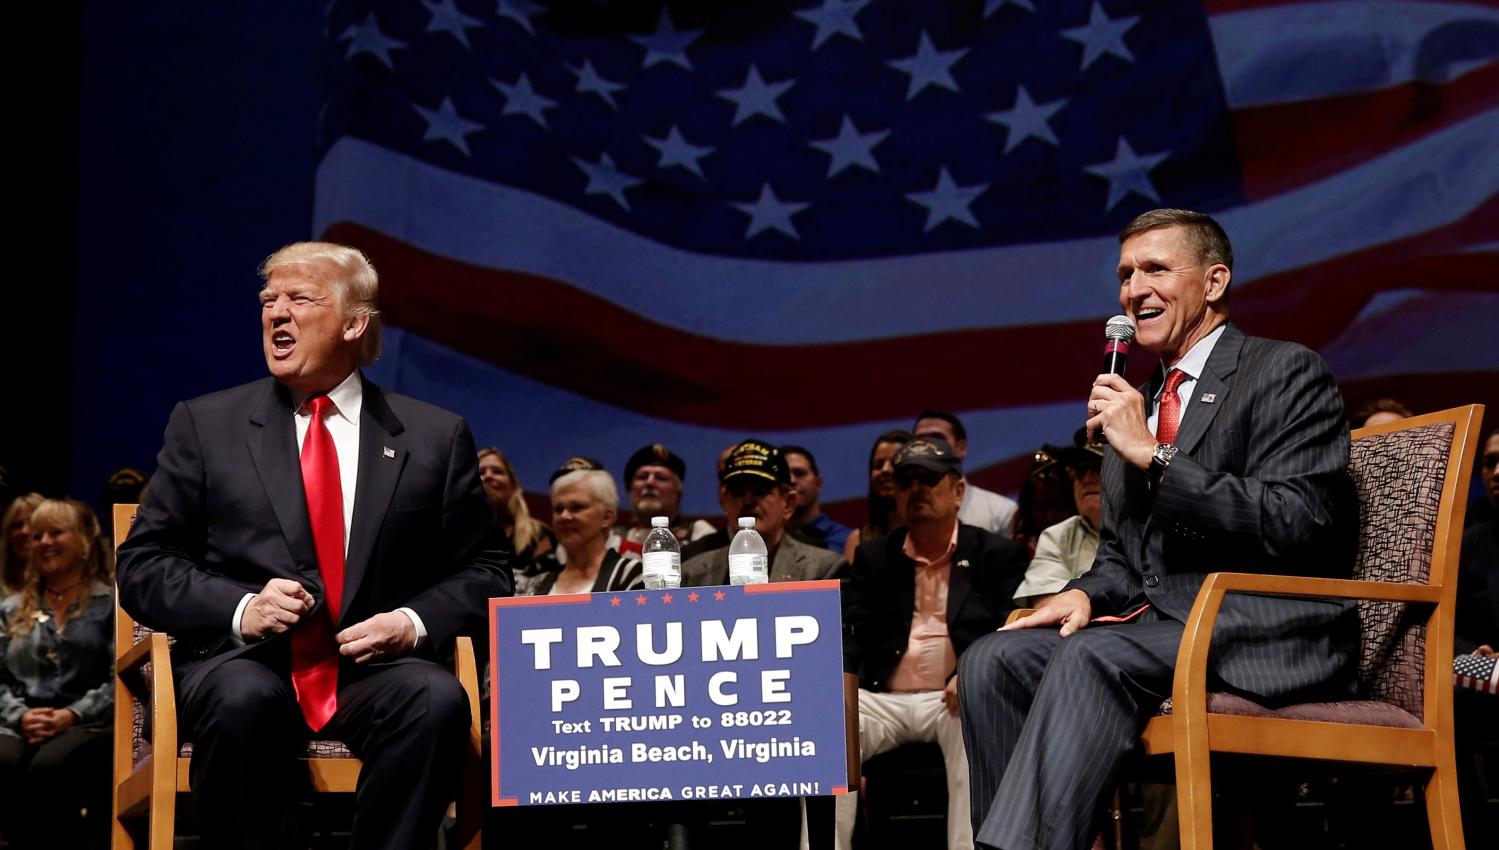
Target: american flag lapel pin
(390, 452)
(1209, 398)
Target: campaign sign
(684, 694)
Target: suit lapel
(1214, 381)
(787, 566)
(959, 582)
(382, 457)
(273, 449)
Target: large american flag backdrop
(602, 225)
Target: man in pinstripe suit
(1236, 463)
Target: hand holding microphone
(1116, 405)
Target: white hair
(598, 482)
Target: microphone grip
(1115, 356)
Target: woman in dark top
(56, 688)
(529, 536)
(584, 505)
(881, 516)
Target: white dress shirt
(1192, 364)
(343, 427)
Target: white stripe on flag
(1425, 185)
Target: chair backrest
(1411, 477)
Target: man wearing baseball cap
(914, 602)
(757, 482)
(1065, 551)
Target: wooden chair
(1412, 479)
(151, 765)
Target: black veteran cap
(929, 453)
(1080, 455)
(575, 464)
(756, 459)
(654, 455)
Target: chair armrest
(1189, 685)
(466, 668)
(1018, 613)
(131, 659)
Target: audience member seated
(1477, 634)
(808, 521)
(1486, 507)
(1065, 551)
(1380, 411)
(1045, 499)
(584, 505)
(56, 685)
(719, 537)
(529, 537)
(916, 599)
(654, 477)
(15, 542)
(756, 482)
(983, 508)
(881, 514)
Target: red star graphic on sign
(614, 602)
(640, 600)
(718, 597)
(666, 599)
(692, 597)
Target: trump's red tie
(314, 664)
(1170, 414)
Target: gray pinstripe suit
(1260, 485)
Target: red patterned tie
(1170, 414)
(314, 664)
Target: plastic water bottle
(662, 556)
(749, 560)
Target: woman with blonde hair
(15, 539)
(585, 503)
(530, 536)
(56, 684)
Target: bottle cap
(746, 522)
(660, 521)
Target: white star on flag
(667, 43)
(589, 81)
(365, 37)
(948, 200)
(834, 17)
(992, 6)
(770, 213)
(605, 179)
(676, 151)
(851, 147)
(1102, 34)
(521, 99)
(928, 67)
(520, 11)
(756, 97)
(445, 124)
(1128, 172)
(448, 18)
(1027, 119)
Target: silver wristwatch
(1160, 459)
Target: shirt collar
(347, 398)
(952, 545)
(1196, 358)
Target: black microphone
(1117, 334)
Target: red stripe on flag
(555, 333)
(1286, 145)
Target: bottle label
(747, 566)
(662, 563)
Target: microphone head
(1120, 328)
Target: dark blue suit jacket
(225, 513)
(1260, 484)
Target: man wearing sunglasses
(917, 598)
